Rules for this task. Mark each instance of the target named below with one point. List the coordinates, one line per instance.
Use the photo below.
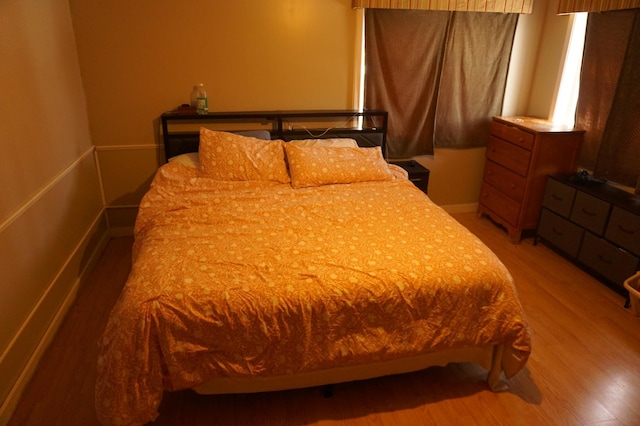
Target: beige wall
(251, 55)
(141, 58)
(50, 204)
(549, 61)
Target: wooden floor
(584, 369)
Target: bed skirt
(488, 357)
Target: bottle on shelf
(193, 101)
(202, 102)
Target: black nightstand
(418, 174)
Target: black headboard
(181, 132)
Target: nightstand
(418, 174)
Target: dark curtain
(604, 49)
(403, 60)
(441, 75)
(609, 100)
(474, 75)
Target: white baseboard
(460, 208)
(18, 388)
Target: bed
(262, 265)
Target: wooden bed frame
(180, 131)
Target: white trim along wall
(52, 241)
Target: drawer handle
(625, 230)
(557, 231)
(588, 213)
(604, 259)
(557, 197)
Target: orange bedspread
(255, 278)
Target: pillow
(337, 142)
(190, 159)
(321, 165)
(229, 156)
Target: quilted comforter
(244, 279)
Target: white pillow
(192, 159)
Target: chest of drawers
(595, 225)
(521, 153)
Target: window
(564, 110)
(440, 75)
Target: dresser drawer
(507, 208)
(505, 180)
(590, 212)
(613, 263)
(624, 229)
(560, 232)
(508, 155)
(559, 197)
(513, 135)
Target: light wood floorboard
(584, 369)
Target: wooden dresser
(522, 152)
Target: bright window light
(564, 110)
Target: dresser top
(539, 125)
(603, 191)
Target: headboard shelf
(180, 132)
